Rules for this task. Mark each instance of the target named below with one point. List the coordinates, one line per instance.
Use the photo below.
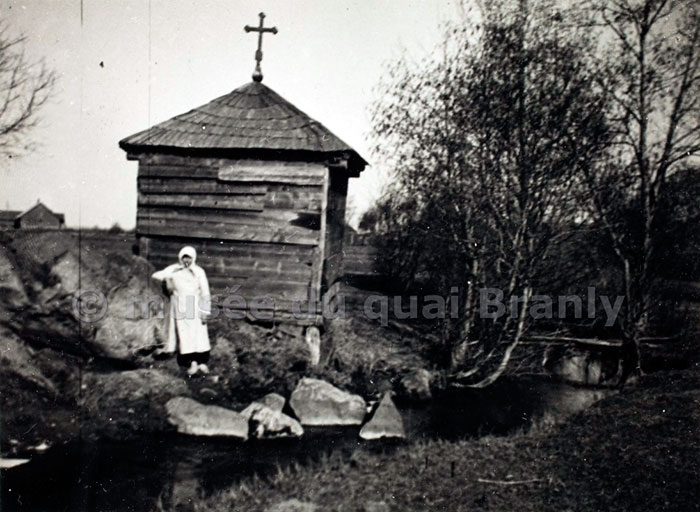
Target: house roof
(7, 215)
(39, 204)
(252, 117)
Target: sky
(125, 65)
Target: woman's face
(187, 261)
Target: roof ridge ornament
(257, 74)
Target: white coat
(189, 305)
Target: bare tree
(653, 81)
(487, 146)
(25, 87)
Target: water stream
(156, 472)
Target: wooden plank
(248, 263)
(293, 179)
(303, 306)
(273, 172)
(233, 248)
(242, 203)
(227, 231)
(253, 266)
(262, 258)
(181, 160)
(289, 196)
(274, 290)
(200, 186)
(273, 219)
(298, 275)
(320, 259)
(172, 171)
(293, 200)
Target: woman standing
(187, 285)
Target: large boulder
(106, 301)
(316, 402)
(266, 420)
(133, 321)
(121, 404)
(386, 422)
(191, 417)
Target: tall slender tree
(653, 81)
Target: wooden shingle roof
(252, 117)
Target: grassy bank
(637, 450)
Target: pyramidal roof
(252, 117)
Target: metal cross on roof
(257, 74)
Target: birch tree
(653, 82)
(487, 145)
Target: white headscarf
(187, 251)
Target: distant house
(38, 216)
(7, 218)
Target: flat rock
(316, 402)
(191, 417)
(386, 422)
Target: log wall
(257, 225)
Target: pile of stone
(314, 402)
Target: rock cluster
(314, 402)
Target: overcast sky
(135, 63)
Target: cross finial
(257, 74)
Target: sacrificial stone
(386, 422)
(318, 403)
(191, 417)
